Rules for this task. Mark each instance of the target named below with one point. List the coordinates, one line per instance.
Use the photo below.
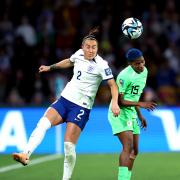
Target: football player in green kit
(131, 82)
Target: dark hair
(133, 54)
(92, 34)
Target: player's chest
(139, 80)
(86, 68)
(137, 85)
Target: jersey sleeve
(122, 82)
(106, 71)
(73, 57)
(76, 55)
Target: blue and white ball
(132, 28)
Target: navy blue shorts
(71, 112)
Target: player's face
(138, 64)
(90, 49)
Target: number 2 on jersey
(78, 75)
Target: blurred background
(36, 32)
(46, 31)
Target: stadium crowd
(35, 32)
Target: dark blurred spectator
(166, 84)
(65, 21)
(14, 98)
(5, 68)
(6, 29)
(26, 31)
(165, 74)
(172, 55)
(45, 27)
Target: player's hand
(147, 105)
(44, 68)
(115, 109)
(143, 122)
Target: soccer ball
(132, 28)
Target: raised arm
(66, 63)
(114, 93)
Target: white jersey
(86, 79)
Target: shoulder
(125, 71)
(124, 74)
(103, 67)
(145, 70)
(79, 53)
(100, 61)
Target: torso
(86, 79)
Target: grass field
(155, 166)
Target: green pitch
(155, 166)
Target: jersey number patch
(135, 89)
(79, 74)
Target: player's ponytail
(92, 35)
(94, 31)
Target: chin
(91, 57)
(141, 70)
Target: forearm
(114, 90)
(127, 103)
(114, 93)
(138, 111)
(61, 65)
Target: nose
(90, 50)
(141, 65)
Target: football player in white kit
(76, 101)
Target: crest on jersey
(121, 82)
(108, 71)
(90, 68)
(129, 123)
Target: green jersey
(131, 85)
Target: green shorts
(124, 122)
